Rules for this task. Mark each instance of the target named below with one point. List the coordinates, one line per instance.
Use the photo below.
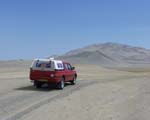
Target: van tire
(73, 82)
(37, 84)
(61, 84)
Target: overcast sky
(39, 28)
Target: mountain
(108, 54)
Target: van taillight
(52, 75)
(30, 70)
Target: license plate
(43, 80)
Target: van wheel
(61, 84)
(37, 84)
(73, 82)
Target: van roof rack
(51, 58)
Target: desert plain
(100, 94)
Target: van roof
(48, 60)
(51, 59)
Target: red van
(52, 71)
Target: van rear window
(46, 65)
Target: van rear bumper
(44, 79)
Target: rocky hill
(108, 53)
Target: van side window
(66, 66)
(69, 67)
(60, 65)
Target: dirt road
(124, 99)
(24, 99)
(113, 99)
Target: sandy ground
(128, 99)
(100, 94)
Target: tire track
(16, 106)
(23, 103)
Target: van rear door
(42, 70)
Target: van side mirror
(72, 68)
